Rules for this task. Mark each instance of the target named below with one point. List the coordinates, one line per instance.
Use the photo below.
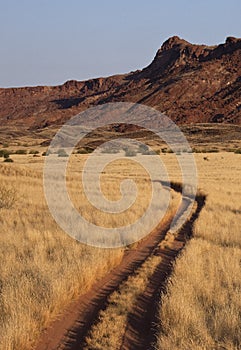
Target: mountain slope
(190, 83)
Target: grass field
(42, 268)
(202, 308)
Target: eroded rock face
(190, 83)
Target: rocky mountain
(190, 83)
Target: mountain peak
(174, 53)
(173, 41)
(232, 40)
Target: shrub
(33, 152)
(237, 151)
(84, 150)
(21, 151)
(8, 160)
(110, 150)
(212, 150)
(46, 153)
(166, 150)
(130, 153)
(195, 150)
(4, 152)
(144, 149)
(62, 153)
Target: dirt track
(143, 323)
(69, 331)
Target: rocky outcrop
(190, 83)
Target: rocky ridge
(190, 83)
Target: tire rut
(69, 331)
(143, 323)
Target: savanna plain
(43, 269)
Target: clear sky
(46, 42)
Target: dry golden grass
(42, 268)
(202, 308)
(111, 178)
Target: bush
(33, 152)
(8, 197)
(8, 160)
(21, 151)
(46, 153)
(196, 150)
(166, 150)
(110, 150)
(130, 153)
(85, 150)
(82, 151)
(144, 150)
(62, 153)
(237, 151)
(212, 150)
(4, 153)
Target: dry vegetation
(111, 178)
(202, 308)
(42, 268)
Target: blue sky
(46, 42)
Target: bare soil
(69, 331)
